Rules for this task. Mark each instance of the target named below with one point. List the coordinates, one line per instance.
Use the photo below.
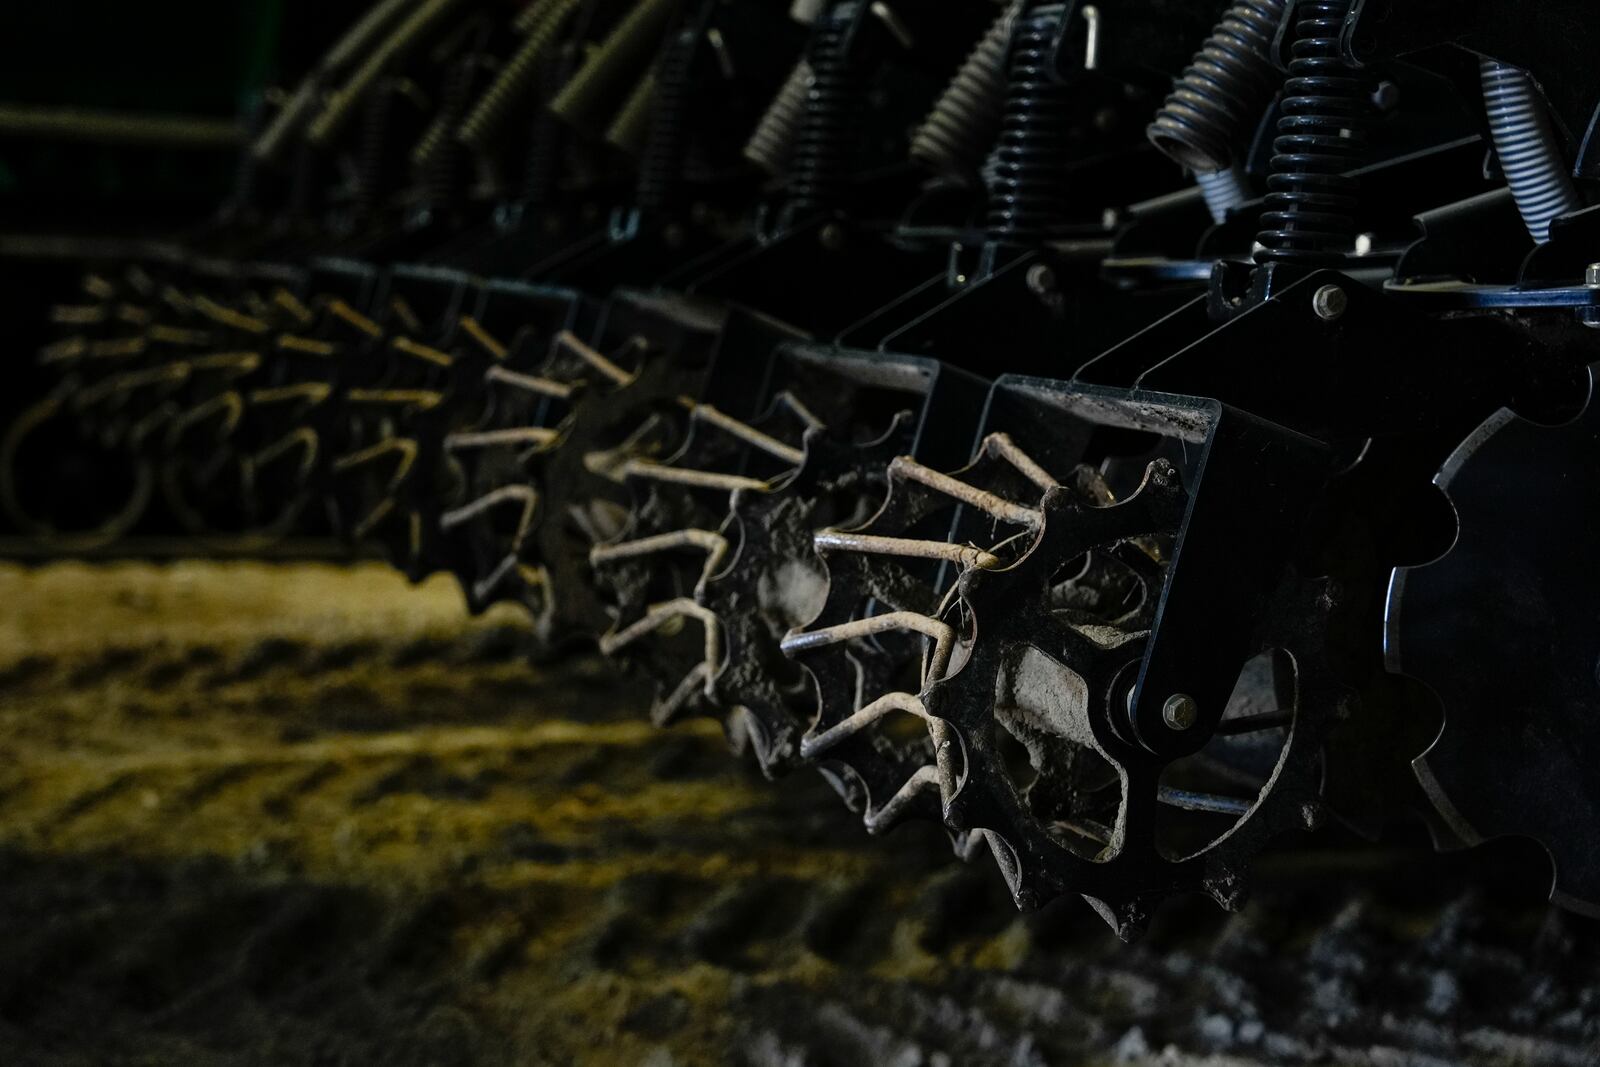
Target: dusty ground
(296, 814)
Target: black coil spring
(440, 157)
(1223, 92)
(1026, 170)
(824, 145)
(962, 124)
(375, 150)
(547, 137)
(773, 138)
(666, 148)
(1311, 202)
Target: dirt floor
(299, 814)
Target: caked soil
(304, 814)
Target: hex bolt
(1180, 711)
(1330, 302)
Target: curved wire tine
(942, 772)
(78, 314)
(698, 479)
(943, 636)
(659, 615)
(907, 469)
(526, 495)
(236, 364)
(163, 412)
(815, 744)
(517, 435)
(798, 407)
(308, 346)
(421, 399)
(342, 310)
(709, 415)
(418, 350)
(877, 545)
(485, 340)
(379, 512)
(64, 350)
(405, 446)
(231, 404)
(98, 286)
(887, 814)
(128, 381)
(223, 315)
(483, 587)
(292, 304)
(304, 437)
(179, 335)
(134, 314)
(665, 711)
(530, 383)
(712, 543)
(593, 357)
(1001, 446)
(315, 392)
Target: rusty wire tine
(877, 545)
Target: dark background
(201, 58)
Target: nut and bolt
(1590, 316)
(1180, 712)
(1330, 302)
